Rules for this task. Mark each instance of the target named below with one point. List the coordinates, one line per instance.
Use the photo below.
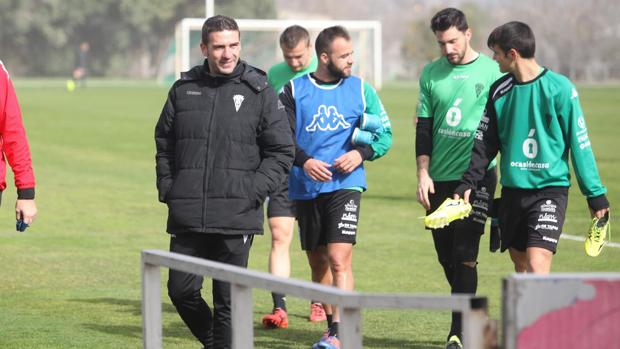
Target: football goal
(260, 43)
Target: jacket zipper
(206, 175)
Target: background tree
(127, 37)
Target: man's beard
(459, 58)
(335, 72)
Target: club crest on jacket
(238, 100)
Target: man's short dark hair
(218, 23)
(293, 35)
(517, 35)
(327, 36)
(447, 18)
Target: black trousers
(211, 327)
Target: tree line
(127, 38)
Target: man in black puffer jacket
(223, 143)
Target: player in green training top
(533, 117)
(299, 59)
(453, 92)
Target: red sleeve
(14, 142)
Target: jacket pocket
(188, 184)
(251, 190)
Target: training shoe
(317, 313)
(454, 343)
(277, 319)
(329, 342)
(323, 338)
(449, 211)
(598, 235)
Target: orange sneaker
(317, 313)
(277, 319)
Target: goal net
(260, 43)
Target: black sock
(329, 320)
(457, 326)
(333, 329)
(279, 300)
(465, 281)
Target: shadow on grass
(174, 330)
(177, 329)
(133, 307)
(296, 338)
(272, 339)
(305, 337)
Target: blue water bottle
(371, 123)
(361, 137)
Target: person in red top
(15, 149)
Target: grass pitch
(72, 280)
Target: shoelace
(598, 230)
(597, 235)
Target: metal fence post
(151, 306)
(350, 328)
(241, 311)
(474, 322)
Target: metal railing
(242, 281)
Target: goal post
(260, 43)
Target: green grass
(73, 281)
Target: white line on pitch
(581, 238)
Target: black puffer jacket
(223, 143)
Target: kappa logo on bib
(327, 118)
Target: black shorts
(459, 241)
(331, 217)
(532, 217)
(278, 203)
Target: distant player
(453, 91)
(80, 72)
(533, 117)
(299, 59)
